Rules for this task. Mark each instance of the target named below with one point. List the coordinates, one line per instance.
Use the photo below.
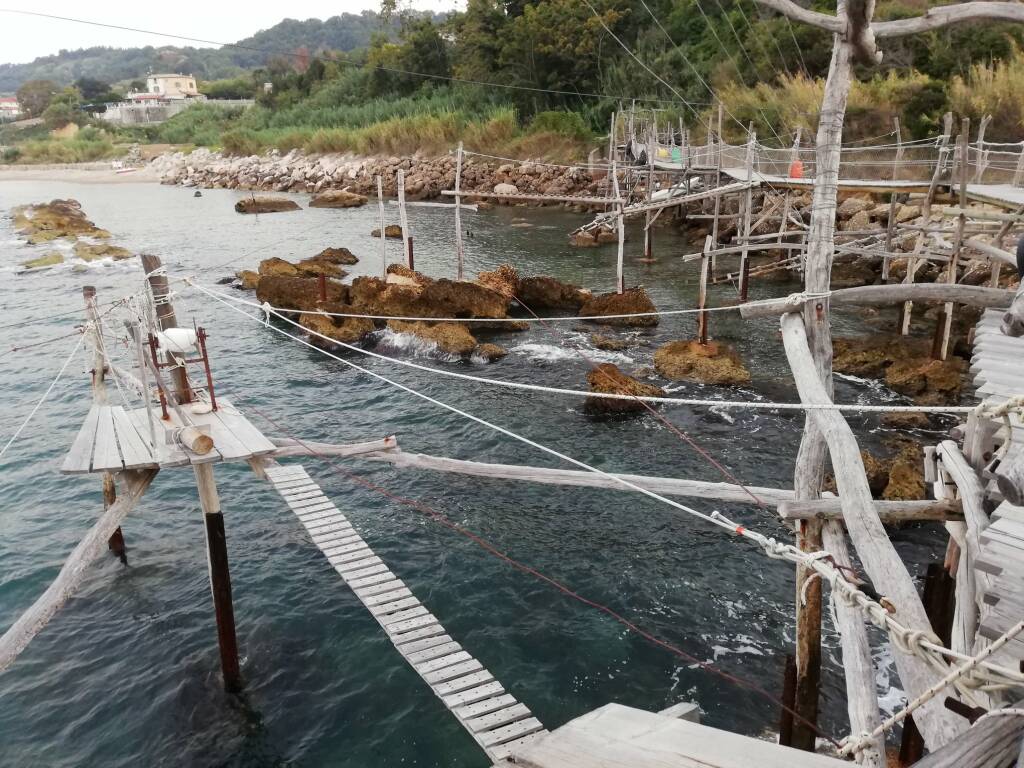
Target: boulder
(905, 213)
(931, 382)
(851, 206)
(711, 363)
(607, 236)
(47, 260)
(453, 338)
(506, 189)
(348, 330)
(631, 301)
(43, 222)
(298, 292)
(859, 222)
(278, 267)
(248, 279)
(490, 352)
(337, 256)
(315, 266)
(416, 295)
(583, 239)
(393, 231)
(906, 473)
(906, 420)
(608, 343)
(543, 292)
(92, 251)
(503, 280)
(337, 198)
(606, 378)
(254, 204)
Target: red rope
(491, 549)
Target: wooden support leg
(116, 541)
(220, 576)
(808, 641)
(788, 700)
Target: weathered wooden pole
(702, 295)
(458, 213)
(99, 397)
(652, 144)
(748, 204)
(944, 326)
(890, 226)
(383, 237)
(213, 517)
(979, 170)
(404, 218)
(620, 283)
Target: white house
(9, 108)
(168, 86)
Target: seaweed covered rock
(630, 301)
(337, 198)
(904, 364)
(278, 267)
(543, 292)
(253, 204)
(453, 338)
(608, 343)
(43, 222)
(490, 352)
(393, 231)
(92, 251)
(51, 259)
(314, 266)
(337, 256)
(247, 279)
(413, 294)
(711, 363)
(298, 292)
(503, 280)
(606, 378)
(348, 330)
(906, 473)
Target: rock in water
(606, 378)
(337, 256)
(278, 267)
(608, 343)
(43, 222)
(265, 205)
(394, 231)
(544, 292)
(710, 363)
(504, 280)
(453, 338)
(337, 198)
(490, 352)
(248, 279)
(349, 330)
(48, 260)
(92, 251)
(315, 266)
(631, 301)
(300, 292)
(929, 382)
(506, 189)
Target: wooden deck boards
(112, 439)
(494, 718)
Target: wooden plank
(413, 646)
(167, 454)
(433, 661)
(493, 704)
(473, 695)
(361, 568)
(105, 454)
(254, 440)
(228, 445)
(402, 627)
(412, 609)
(443, 675)
(502, 751)
(467, 682)
(79, 457)
(509, 732)
(378, 588)
(135, 452)
(416, 634)
(498, 718)
(371, 575)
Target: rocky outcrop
(51, 259)
(278, 267)
(608, 379)
(247, 279)
(286, 292)
(896, 476)
(315, 266)
(425, 177)
(608, 343)
(337, 256)
(490, 352)
(711, 363)
(348, 330)
(265, 205)
(337, 198)
(503, 280)
(453, 338)
(543, 292)
(904, 364)
(43, 222)
(631, 301)
(394, 231)
(92, 251)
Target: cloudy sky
(23, 38)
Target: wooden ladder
(495, 719)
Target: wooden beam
(881, 561)
(875, 295)
(286, 446)
(947, 15)
(888, 511)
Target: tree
(35, 96)
(64, 108)
(91, 88)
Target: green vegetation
(542, 77)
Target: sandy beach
(84, 173)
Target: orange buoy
(796, 169)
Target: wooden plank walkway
(845, 185)
(112, 439)
(493, 717)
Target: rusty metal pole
(213, 518)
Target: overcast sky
(23, 38)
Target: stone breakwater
(425, 177)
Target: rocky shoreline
(425, 177)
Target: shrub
(993, 90)
(11, 154)
(570, 124)
(241, 141)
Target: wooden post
(403, 217)
(890, 226)
(458, 213)
(979, 170)
(926, 209)
(611, 153)
(216, 541)
(99, 397)
(620, 284)
(652, 144)
(702, 295)
(748, 201)
(1018, 173)
(383, 238)
(946, 325)
(788, 699)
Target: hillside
(346, 32)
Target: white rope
(46, 394)
(696, 402)
(856, 743)
(925, 645)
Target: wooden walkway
(112, 439)
(845, 185)
(494, 718)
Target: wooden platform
(112, 439)
(616, 736)
(494, 718)
(845, 185)
(1004, 195)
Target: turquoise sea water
(127, 673)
